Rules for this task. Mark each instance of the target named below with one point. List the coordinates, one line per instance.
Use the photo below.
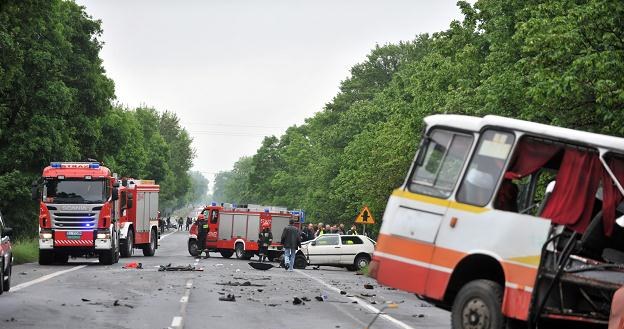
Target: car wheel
(239, 250)
(361, 261)
(193, 249)
(478, 306)
(300, 262)
(7, 281)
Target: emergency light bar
(85, 165)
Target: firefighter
(265, 238)
(202, 233)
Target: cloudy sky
(235, 71)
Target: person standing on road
(188, 222)
(265, 238)
(291, 242)
(179, 223)
(202, 233)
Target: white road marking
(45, 277)
(178, 320)
(166, 235)
(360, 302)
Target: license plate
(74, 235)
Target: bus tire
(478, 305)
(107, 257)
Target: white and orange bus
(508, 222)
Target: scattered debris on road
(297, 301)
(261, 266)
(171, 268)
(368, 286)
(305, 299)
(319, 298)
(85, 300)
(239, 284)
(228, 298)
(368, 295)
(342, 292)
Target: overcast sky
(235, 71)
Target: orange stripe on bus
(521, 275)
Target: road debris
(297, 301)
(342, 292)
(261, 266)
(305, 299)
(171, 268)
(228, 298)
(319, 298)
(368, 286)
(368, 295)
(239, 284)
(134, 265)
(85, 300)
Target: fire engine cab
(234, 231)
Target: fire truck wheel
(239, 250)
(226, 253)
(106, 257)
(127, 245)
(45, 257)
(61, 258)
(192, 248)
(150, 249)
(478, 306)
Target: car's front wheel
(300, 261)
(361, 261)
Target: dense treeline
(56, 105)
(556, 61)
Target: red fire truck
(234, 231)
(81, 213)
(138, 224)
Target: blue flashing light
(55, 164)
(213, 204)
(94, 165)
(266, 209)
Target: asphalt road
(84, 294)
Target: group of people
(178, 223)
(313, 231)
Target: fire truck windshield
(74, 191)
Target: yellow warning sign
(365, 217)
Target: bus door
(415, 212)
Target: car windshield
(74, 191)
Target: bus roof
(476, 124)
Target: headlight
(103, 236)
(45, 235)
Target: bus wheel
(226, 253)
(46, 257)
(478, 306)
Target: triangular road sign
(365, 217)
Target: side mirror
(422, 151)
(313, 243)
(130, 202)
(7, 232)
(34, 191)
(115, 194)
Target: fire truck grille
(74, 220)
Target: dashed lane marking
(45, 278)
(360, 302)
(178, 320)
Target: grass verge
(25, 251)
(364, 271)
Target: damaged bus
(509, 223)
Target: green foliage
(557, 62)
(25, 251)
(55, 105)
